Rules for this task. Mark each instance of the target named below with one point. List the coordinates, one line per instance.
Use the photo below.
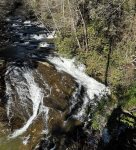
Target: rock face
(62, 86)
(3, 122)
(58, 88)
(35, 97)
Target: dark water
(25, 39)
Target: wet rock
(62, 86)
(71, 124)
(55, 122)
(3, 122)
(34, 134)
(28, 141)
(16, 122)
(4, 128)
(3, 115)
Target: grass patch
(130, 98)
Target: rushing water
(93, 88)
(24, 92)
(20, 81)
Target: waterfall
(93, 88)
(20, 81)
(27, 87)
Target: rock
(34, 134)
(71, 124)
(28, 140)
(16, 122)
(3, 114)
(62, 86)
(55, 122)
(3, 122)
(2, 63)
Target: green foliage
(66, 46)
(130, 98)
(102, 113)
(95, 63)
(96, 122)
(127, 121)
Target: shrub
(65, 46)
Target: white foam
(26, 140)
(26, 43)
(28, 25)
(41, 25)
(8, 19)
(44, 44)
(27, 22)
(9, 102)
(93, 88)
(38, 37)
(15, 25)
(77, 71)
(36, 95)
(51, 35)
(45, 110)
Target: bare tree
(73, 25)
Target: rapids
(65, 89)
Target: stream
(47, 97)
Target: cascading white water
(36, 95)
(74, 98)
(25, 95)
(28, 90)
(93, 88)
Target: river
(46, 96)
